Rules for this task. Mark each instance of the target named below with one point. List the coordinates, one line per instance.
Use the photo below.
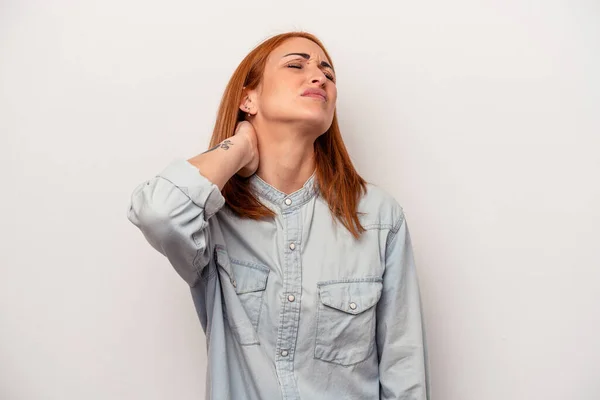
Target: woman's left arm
(401, 346)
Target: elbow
(147, 214)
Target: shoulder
(379, 209)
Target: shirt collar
(285, 201)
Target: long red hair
(336, 178)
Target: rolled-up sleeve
(401, 345)
(172, 211)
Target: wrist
(246, 148)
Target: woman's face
(298, 86)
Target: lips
(317, 93)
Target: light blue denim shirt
(293, 307)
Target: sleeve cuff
(197, 187)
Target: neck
(286, 155)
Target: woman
(302, 273)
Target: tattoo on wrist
(224, 145)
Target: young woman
(302, 273)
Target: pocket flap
(249, 277)
(352, 297)
(245, 277)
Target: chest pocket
(243, 286)
(345, 332)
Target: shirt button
(353, 306)
(291, 297)
(284, 353)
(234, 283)
(292, 246)
(288, 201)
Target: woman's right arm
(173, 208)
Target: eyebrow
(307, 57)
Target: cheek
(332, 92)
(333, 98)
(280, 98)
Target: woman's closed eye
(299, 66)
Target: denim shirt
(293, 307)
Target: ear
(248, 102)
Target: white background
(481, 118)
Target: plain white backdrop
(480, 117)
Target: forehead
(298, 45)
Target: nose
(318, 76)
(319, 79)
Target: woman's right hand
(246, 130)
(235, 155)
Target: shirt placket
(292, 290)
